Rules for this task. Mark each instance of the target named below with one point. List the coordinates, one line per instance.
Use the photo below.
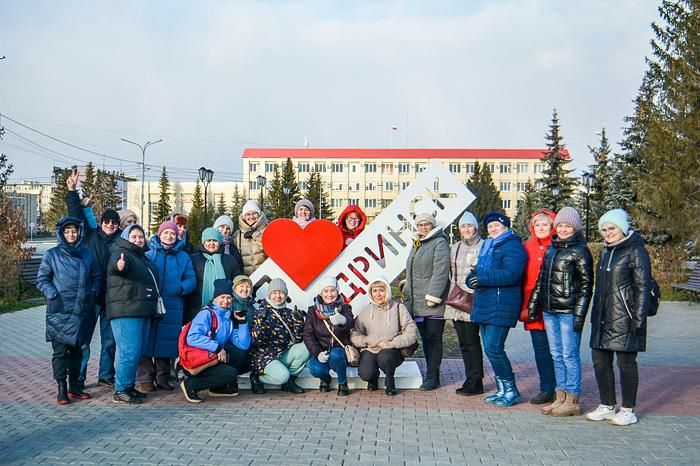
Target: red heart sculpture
(303, 253)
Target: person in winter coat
(98, 240)
(497, 280)
(304, 212)
(426, 288)
(70, 280)
(132, 301)
(463, 256)
(277, 353)
(351, 222)
(248, 237)
(225, 225)
(183, 233)
(329, 313)
(541, 231)
(619, 316)
(382, 329)
(230, 341)
(210, 264)
(563, 293)
(127, 217)
(177, 279)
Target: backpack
(654, 298)
(195, 360)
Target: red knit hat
(167, 225)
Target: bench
(692, 285)
(28, 270)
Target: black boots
(470, 388)
(62, 397)
(343, 389)
(256, 385)
(75, 391)
(291, 387)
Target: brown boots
(558, 401)
(569, 407)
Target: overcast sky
(211, 78)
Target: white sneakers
(624, 417)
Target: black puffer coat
(622, 297)
(131, 292)
(565, 283)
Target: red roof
(278, 153)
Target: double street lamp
(143, 172)
(205, 176)
(589, 181)
(287, 191)
(261, 184)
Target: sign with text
(383, 247)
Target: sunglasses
(111, 222)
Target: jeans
(387, 360)
(431, 331)
(494, 340)
(543, 361)
(605, 376)
(65, 361)
(107, 348)
(470, 346)
(564, 345)
(336, 361)
(222, 374)
(290, 362)
(128, 334)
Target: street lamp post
(261, 184)
(143, 171)
(287, 190)
(205, 176)
(589, 181)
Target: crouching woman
(230, 340)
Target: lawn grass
(12, 306)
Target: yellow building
(372, 178)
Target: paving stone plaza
(437, 427)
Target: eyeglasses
(353, 219)
(111, 222)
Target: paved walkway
(436, 427)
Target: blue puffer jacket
(175, 281)
(199, 335)
(70, 280)
(498, 296)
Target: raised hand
(121, 263)
(72, 180)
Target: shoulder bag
(458, 298)
(351, 353)
(160, 308)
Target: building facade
(34, 199)
(372, 178)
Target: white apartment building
(372, 178)
(36, 201)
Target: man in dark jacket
(98, 241)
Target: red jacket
(535, 248)
(351, 234)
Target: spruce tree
(598, 191)
(221, 205)
(88, 183)
(58, 207)
(289, 181)
(276, 199)
(557, 184)
(237, 203)
(527, 205)
(316, 193)
(196, 220)
(488, 198)
(163, 208)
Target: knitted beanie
(125, 215)
(494, 216)
(568, 215)
(110, 214)
(222, 286)
(167, 225)
(617, 217)
(238, 279)
(469, 219)
(277, 284)
(224, 220)
(306, 203)
(212, 233)
(425, 217)
(327, 281)
(251, 206)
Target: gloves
(533, 315)
(578, 325)
(322, 357)
(337, 319)
(471, 280)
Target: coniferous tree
(315, 193)
(57, 206)
(598, 190)
(488, 198)
(88, 183)
(527, 205)
(289, 183)
(196, 220)
(163, 208)
(557, 184)
(237, 202)
(276, 198)
(221, 205)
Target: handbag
(408, 351)
(351, 353)
(457, 297)
(160, 307)
(195, 360)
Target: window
(337, 168)
(385, 203)
(505, 186)
(354, 169)
(370, 168)
(505, 168)
(470, 168)
(388, 168)
(337, 186)
(370, 203)
(357, 186)
(270, 167)
(539, 168)
(304, 186)
(252, 166)
(522, 186)
(404, 185)
(369, 187)
(505, 203)
(420, 167)
(539, 185)
(320, 168)
(389, 186)
(492, 167)
(455, 168)
(252, 185)
(336, 203)
(303, 167)
(353, 201)
(522, 168)
(404, 167)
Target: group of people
(548, 283)
(143, 292)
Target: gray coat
(428, 275)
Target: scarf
(227, 243)
(213, 269)
(243, 304)
(303, 223)
(485, 259)
(322, 307)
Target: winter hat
(327, 281)
(110, 214)
(496, 217)
(127, 230)
(425, 217)
(568, 215)
(238, 279)
(180, 219)
(469, 219)
(224, 220)
(212, 233)
(124, 215)
(251, 206)
(222, 286)
(306, 203)
(617, 217)
(167, 225)
(277, 284)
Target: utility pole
(143, 173)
